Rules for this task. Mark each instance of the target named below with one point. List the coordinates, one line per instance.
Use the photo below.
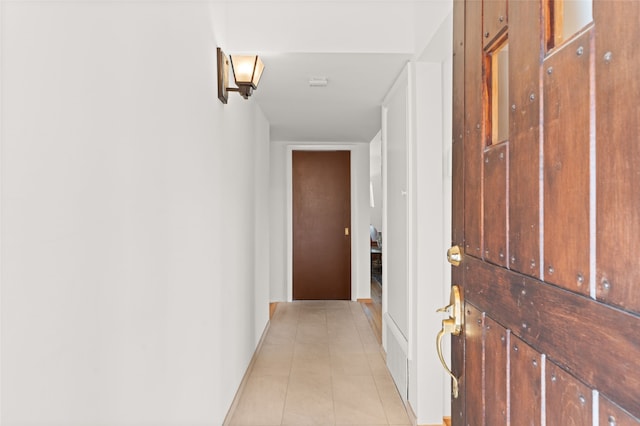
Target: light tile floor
(319, 364)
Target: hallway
(319, 364)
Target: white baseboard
(236, 398)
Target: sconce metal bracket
(223, 76)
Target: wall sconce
(247, 71)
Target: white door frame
(354, 232)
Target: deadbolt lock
(454, 255)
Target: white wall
(375, 176)
(429, 386)
(396, 173)
(354, 26)
(426, 390)
(425, 35)
(281, 222)
(418, 161)
(437, 60)
(134, 212)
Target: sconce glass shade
(247, 70)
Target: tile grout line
(375, 382)
(293, 353)
(333, 395)
(350, 318)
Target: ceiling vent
(318, 82)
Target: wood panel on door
(321, 225)
(551, 220)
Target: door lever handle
(445, 309)
(453, 326)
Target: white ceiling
(347, 109)
(359, 46)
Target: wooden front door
(321, 225)
(546, 143)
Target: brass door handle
(451, 325)
(454, 255)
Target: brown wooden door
(548, 216)
(321, 225)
